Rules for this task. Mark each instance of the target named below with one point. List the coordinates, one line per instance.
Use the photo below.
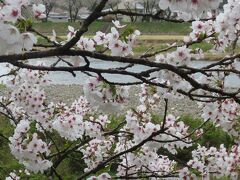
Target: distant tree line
(73, 7)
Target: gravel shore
(68, 93)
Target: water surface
(66, 78)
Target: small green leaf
(24, 24)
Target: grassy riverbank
(152, 43)
(155, 35)
(146, 28)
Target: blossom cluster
(96, 151)
(17, 175)
(139, 135)
(69, 126)
(146, 161)
(149, 97)
(103, 96)
(142, 129)
(201, 29)
(227, 24)
(103, 176)
(73, 126)
(224, 26)
(214, 163)
(28, 104)
(28, 97)
(188, 9)
(12, 40)
(28, 149)
(119, 44)
(222, 113)
(12, 176)
(181, 57)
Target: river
(67, 78)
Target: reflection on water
(67, 78)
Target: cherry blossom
(54, 36)
(188, 9)
(86, 44)
(146, 160)
(12, 176)
(71, 33)
(69, 126)
(118, 25)
(11, 13)
(218, 163)
(27, 150)
(136, 145)
(95, 151)
(103, 96)
(39, 11)
(223, 113)
(100, 38)
(103, 176)
(11, 39)
(28, 40)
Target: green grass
(7, 161)
(143, 47)
(204, 46)
(168, 28)
(2, 86)
(61, 28)
(147, 28)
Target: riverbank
(68, 93)
(154, 35)
(156, 27)
(154, 43)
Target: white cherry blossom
(39, 11)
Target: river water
(66, 78)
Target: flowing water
(67, 78)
